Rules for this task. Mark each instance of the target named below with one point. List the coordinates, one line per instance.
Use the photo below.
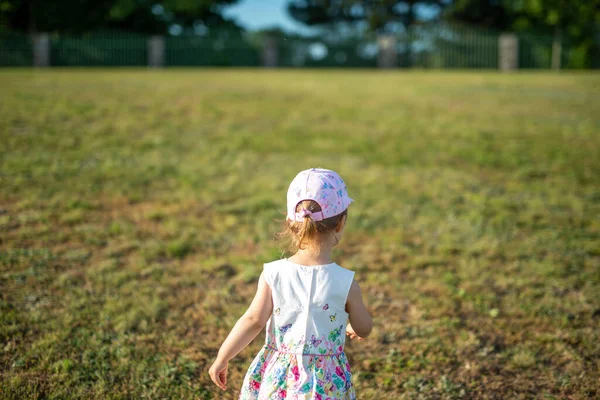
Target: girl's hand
(218, 373)
(350, 332)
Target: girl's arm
(361, 323)
(244, 331)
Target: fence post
(556, 52)
(41, 50)
(387, 56)
(156, 51)
(508, 47)
(270, 52)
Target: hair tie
(305, 213)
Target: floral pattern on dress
(274, 374)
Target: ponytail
(307, 230)
(301, 234)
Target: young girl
(305, 302)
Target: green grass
(137, 208)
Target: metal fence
(98, 50)
(434, 46)
(16, 51)
(211, 51)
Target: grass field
(137, 208)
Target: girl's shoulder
(273, 266)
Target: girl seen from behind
(305, 301)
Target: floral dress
(303, 356)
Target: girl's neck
(312, 256)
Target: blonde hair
(299, 234)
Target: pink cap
(325, 187)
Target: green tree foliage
(79, 16)
(574, 21)
(575, 17)
(380, 15)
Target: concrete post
(270, 52)
(156, 51)
(387, 55)
(508, 49)
(41, 50)
(556, 54)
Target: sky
(259, 14)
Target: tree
(483, 13)
(576, 16)
(380, 15)
(79, 16)
(576, 21)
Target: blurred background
(303, 33)
(138, 205)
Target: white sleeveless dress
(303, 356)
